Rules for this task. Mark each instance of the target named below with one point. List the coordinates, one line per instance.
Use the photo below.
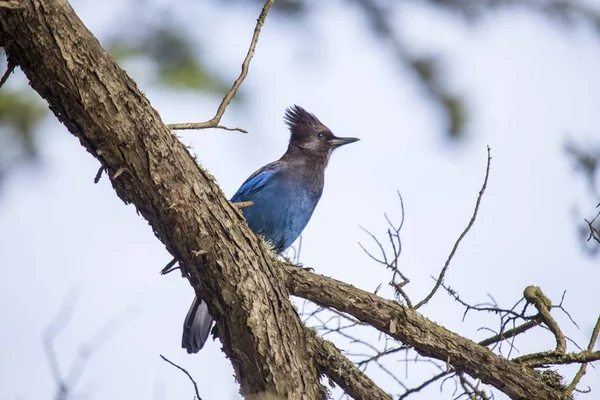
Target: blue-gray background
(530, 85)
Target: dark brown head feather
(301, 122)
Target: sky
(530, 85)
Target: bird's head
(310, 135)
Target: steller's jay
(285, 194)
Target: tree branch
(556, 358)
(440, 278)
(233, 272)
(247, 290)
(343, 372)
(573, 385)
(427, 338)
(214, 121)
(534, 295)
(10, 67)
(185, 372)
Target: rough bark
(149, 167)
(246, 289)
(343, 372)
(428, 338)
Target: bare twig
(205, 125)
(106, 332)
(472, 390)
(10, 67)
(424, 384)
(56, 326)
(185, 372)
(67, 383)
(169, 267)
(243, 204)
(391, 262)
(594, 234)
(511, 332)
(488, 307)
(573, 385)
(330, 322)
(561, 308)
(507, 317)
(214, 121)
(440, 279)
(99, 174)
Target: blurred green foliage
(177, 61)
(20, 113)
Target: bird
(284, 195)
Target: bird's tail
(196, 327)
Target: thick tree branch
(534, 294)
(343, 372)
(96, 100)
(427, 338)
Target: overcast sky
(530, 85)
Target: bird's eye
(321, 135)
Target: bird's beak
(340, 141)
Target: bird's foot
(170, 267)
(309, 269)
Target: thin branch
(214, 121)
(560, 307)
(205, 125)
(460, 238)
(594, 234)
(424, 384)
(583, 367)
(169, 267)
(391, 262)
(382, 354)
(185, 372)
(56, 326)
(428, 339)
(10, 67)
(343, 372)
(555, 358)
(472, 390)
(243, 204)
(67, 383)
(511, 332)
(106, 332)
(488, 307)
(99, 174)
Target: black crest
(301, 121)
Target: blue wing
(282, 207)
(262, 178)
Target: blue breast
(283, 204)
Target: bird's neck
(308, 169)
(299, 156)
